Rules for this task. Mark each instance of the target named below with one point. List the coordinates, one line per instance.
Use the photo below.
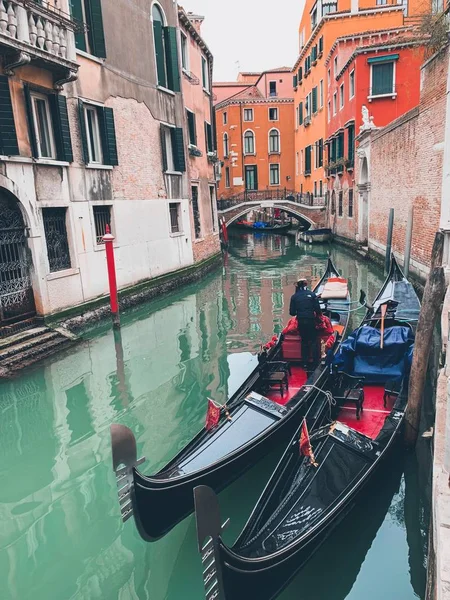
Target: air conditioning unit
(307, 121)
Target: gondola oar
(383, 308)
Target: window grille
(102, 218)
(56, 238)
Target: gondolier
(305, 306)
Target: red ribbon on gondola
(305, 444)
(213, 414)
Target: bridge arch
(294, 212)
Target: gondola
(308, 495)
(250, 427)
(316, 236)
(264, 228)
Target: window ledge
(177, 235)
(64, 273)
(393, 96)
(276, 152)
(19, 159)
(96, 59)
(161, 88)
(101, 167)
(249, 153)
(51, 163)
(198, 240)
(179, 173)
(274, 184)
(102, 247)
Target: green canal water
(61, 536)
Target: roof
(187, 24)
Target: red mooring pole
(108, 238)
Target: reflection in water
(61, 534)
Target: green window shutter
(173, 67)
(314, 99)
(96, 31)
(307, 160)
(321, 153)
(8, 137)
(351, 142)
(192, 128)
(109, 137)
(159, 52)
(30, 119)
(76, 11)
(300, 74)
(208, 137)
(300, 113)
(60, 118)
(83, 134)
(314, 53)
(162, 132)
(321, 44)
(382, 78)
(294, 81)
(178, 149)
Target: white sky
(248, 35)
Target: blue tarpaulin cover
(361, 354)
(259, 224)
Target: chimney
(196, 21)
(354, 6)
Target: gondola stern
(124, 459)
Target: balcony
(194, 151)
(340, 166)
(330, 169)
(36, 34)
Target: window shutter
(314, 99)
(109, 136)
(208, 137)
(320, 152)
(159, 52)
(162, 132)
(300, 74)
(300, 113)
(96, 31)
(61, 127)
(83, 134)
(173, 67)
(76, 11)
(294, 81)
(382, 78)
(351, 142)
(31, 132)
(178, 149)
(314, 53)
(8, 137)
(321, 44)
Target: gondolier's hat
(302, 282)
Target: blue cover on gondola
(362, 355)
(259, 225)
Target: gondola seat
(275, 373)
(336, 288)
(347, 388)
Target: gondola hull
(316, 236)
(282, 229)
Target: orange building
(322, 23)
(255, 132)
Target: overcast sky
(248, 35)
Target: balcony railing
(37, 32)
(279, 194)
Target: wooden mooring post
(431, 303)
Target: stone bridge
(309, 210)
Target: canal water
(61, 536)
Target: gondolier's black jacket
(304, 304)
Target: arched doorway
(16, 292)
(363, 187)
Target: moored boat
(308, 494)
(261, 227)
(316, 236)
(255, 420)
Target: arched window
(225, 145)
(166, 54)
(249, 142)
(274, 140)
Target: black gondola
(276, 228)
(216, 457)
(302, 502)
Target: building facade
(92, 133)
(255, 137)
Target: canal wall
(91, 313)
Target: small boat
(250, 426)
(316, 236)
(307, 495)
(261, 227)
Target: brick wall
(406, 170)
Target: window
(341, 93)
(225, 117)
(248, 114)
(225, 145)
(297, 165)
(308, 104)
(351, 144)
(352, 84)
(300, 113)
(329, 7)
(43, 129)
(56, 238)
(102, 218)
(308, 160)
(321, 93)
(251, 177)
(92, 40)
(382, 77)
(274, 141)
(329, 77)
(227, 177)
(314, 100)
(205, 74)
(340, 203)
(212, 199)
(340, 145)
(315, 189)
(249, 142)
(319, 153)
(166, 52)
(174, 213)
(321, 45)
(172, 149)
(314, 17)
(334, 103)
(192, 127)
(184, 51)
(335, 66)
(320, 188)
(329, 110)
(272, 88)
(381, 2)
(350, 203)
(208, 137)
(273, 114)
(8, 137)
(98, 134)
(274, 174)
(196, 212)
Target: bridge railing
(271, 195)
